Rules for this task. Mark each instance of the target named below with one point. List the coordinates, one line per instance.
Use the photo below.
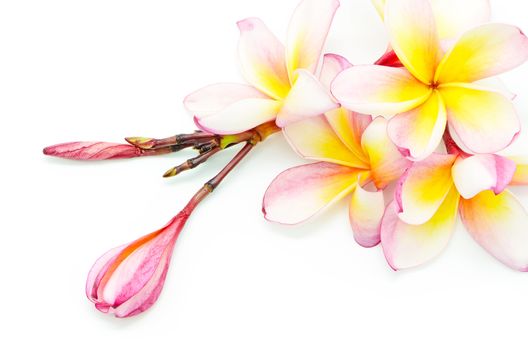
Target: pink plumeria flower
(353, 153)
(282, 84)
(437, 89)
(418, 225)
(128, 279)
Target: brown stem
(212, 184)
(192, 163)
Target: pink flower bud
(128, 279)
(92, 151)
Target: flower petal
(332, 65)
(349, 127)
(262, 57)
(485, 121)
(307, 98)
(147, 296)
(379, 90)
(365, 212)
(314, 139)
(406, 245)
(413, 36)
(419, 132)
(424, 187)
(386, 162)
(301, 192)
(520, 177)
(498, 223)
(307, 34)
(214, 98)
(454, 17)
(98, 270)
(484, 51)
(240, 116)
(482, 172)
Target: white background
(105, 69)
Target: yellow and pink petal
(406, 245)
(423, 188)
(386, 163)
(520, 177)
(301, 192)
(483, 120)
(482, 172)
(307, 32)
(498, 223)
(262, 58)
(482, 52)
(315, 139)
(413, 36)
(418, 132)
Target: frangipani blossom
(418, 225)
(92, 151)
(436, 90)
(128, 280)
(352, 151)
(282, 84)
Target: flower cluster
(412, 140)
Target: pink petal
(240, 116)
(406, 245)
(418, 132)
(379, 90)
(498, 223)
(213, 99)
(308, 98)
(315, 139)
(262, 58)
(92, 151)
(484, 51)
(307, 34)
(99, 269)
(482, 172)
(424, 187)
(332, 65)
(485, 121)
(365, 212)
(299, 193)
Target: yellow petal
(315, 139)
(413, 36)
(424, 187)
(484, 121)
(482, 52)
(419, 132)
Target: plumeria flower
(418, 225)
(436, 89)
(353, 152)
(128, 280)
(282, 84)
(93, 151)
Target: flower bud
(92, 151)
(128, 279)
